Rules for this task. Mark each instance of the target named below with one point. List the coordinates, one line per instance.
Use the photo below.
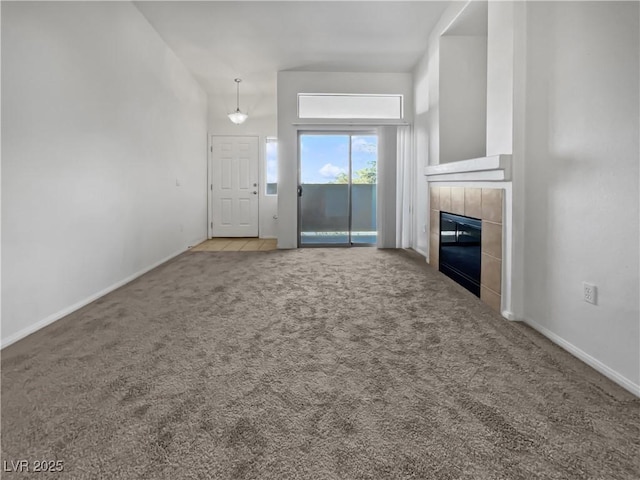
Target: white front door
(234, 186)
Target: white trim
(78, 305)
(586, 358)
(209, 186)
(488, 176)
(261, 175)
(492, 168)
(349, 116)
(423, 253)
(509, 315)
(454, 19)
(350, 123)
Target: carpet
(306, 364)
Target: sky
(324, 157)
(272, 160)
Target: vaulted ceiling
(221, 40)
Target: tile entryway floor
(236, 245)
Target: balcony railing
(325, 213)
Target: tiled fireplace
(485, 204)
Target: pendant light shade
(238, 117)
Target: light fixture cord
(237, 95)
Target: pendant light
(238, 117)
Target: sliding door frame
(340, 131)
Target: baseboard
(195, 243)
(422, 252)
(78, 305)
(586, 358)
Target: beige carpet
(307, 364)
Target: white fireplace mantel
(496, 168)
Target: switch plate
(590, 293)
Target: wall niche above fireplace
(463, 91)
(485, 204)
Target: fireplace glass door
(460, 250)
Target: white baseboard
(195, 243)
(509, 315)
(586, 358)
(76, 306)
(423, 253)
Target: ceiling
(221, 40)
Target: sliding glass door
(337, 189)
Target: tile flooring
(236, 245)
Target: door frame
(210, 179)
(341, 130)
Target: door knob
(254, 192)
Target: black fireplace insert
(460, 250)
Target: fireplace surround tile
(457, 200)
(492, 239)
(491, 272)
(434, 223)
(434, 236)
(445, 199)
(490, 298)
(473, 202)
(434, 253)
(492, 204)
(434, 198)
(482, 203)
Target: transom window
(350, 106)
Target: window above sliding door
(350, 106)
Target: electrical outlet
(590, 293)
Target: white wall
(463, 97)
(289, 85)
(262, 122)
(581, 197)
(100, 123)
(0, 181)
(426, 128)
(563, 99)
(500, 77)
